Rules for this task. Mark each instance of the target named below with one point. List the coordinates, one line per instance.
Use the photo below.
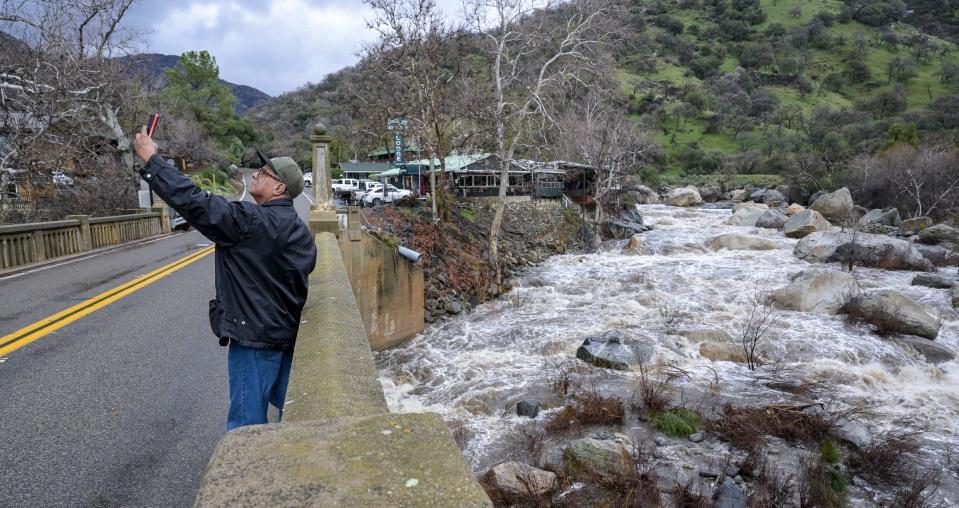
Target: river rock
(527, 408)
(816, 195)
(703, 334)
(730, 495)
(887, 217)
(594, 458)
(737, 195)
(619, 230)
(711, 193)
(610, 350)
(896, 313)
(722, 352)
(932, 351)
(915, 226)
(637, 247)
(741, 242)
(934, 280)
(794, 208)
(939, 256)
(683, 196)
(770, 197)
(772, 219)
(940, 234)
(835, 205)
(805, 223)
(816, 291)
(749, 204)
(745, 217)
(643, 195)
(862, 248)
(516, 481)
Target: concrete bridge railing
(25, 244)
(338, 444)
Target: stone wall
(338, 445)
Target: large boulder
(932, 351)
(861, 249)
(619, 230)
(939, 256)
(683, 196)
(612, 350)
(816, 291)
(772, 219)
(711, 193)
(894, 312)
(805, 223)
(914, 226)
(794, 208)
(516, 482)
(737, 195)
(887, 217)
(642, 195)
(940, 234)
(934, 280)
(741, 242)
(835, 205)
(749, 204)
(772, 197)
(596, 458)
(723, 352)
(745, 217)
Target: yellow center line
(34, 331)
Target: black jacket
(264, 256)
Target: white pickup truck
(356, 197)
(376, 196)
(344, 186)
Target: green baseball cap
(288, 171)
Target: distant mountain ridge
(152, 65)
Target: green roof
(389, 151)
(453, 162)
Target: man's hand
(144, 145)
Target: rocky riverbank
(457, 272)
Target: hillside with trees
(814, 93)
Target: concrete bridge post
(322, 213)
(85, 237)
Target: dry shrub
(685, 496)
(588, 408)
(638, 487)
(889, 458)
(918, 492)
(820, 485)
(746, 427)
(653, 390)
(769, 489)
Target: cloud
(273, 46)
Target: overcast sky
(273, 45)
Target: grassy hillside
(783, 66)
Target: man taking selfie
(264, 256)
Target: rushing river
(473, 368)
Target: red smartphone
(152, 124)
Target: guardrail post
(39, 249)
(160, 207)
(86, 237)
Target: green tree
(194, 90)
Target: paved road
(124, 406)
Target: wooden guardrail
(24, 244)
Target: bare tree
(757, 325)
(60, 95)
(421, 49)
(919, 181)
(596, 132)
(531, 57)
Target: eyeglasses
(261, 171)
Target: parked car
(376, 196)
(344, 186)
(356, 197)
(308, 179)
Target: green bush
(830, 452)
(676, 422)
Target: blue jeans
(257, 377)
